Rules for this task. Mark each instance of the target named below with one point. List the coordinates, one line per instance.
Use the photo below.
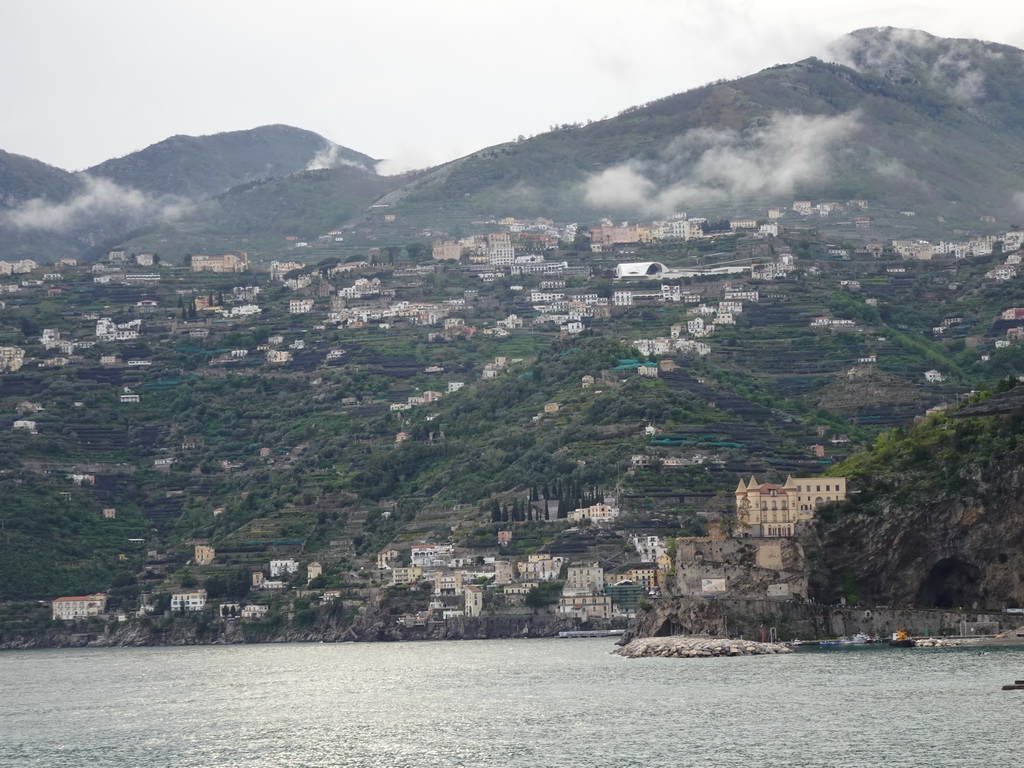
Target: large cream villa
(765, 509)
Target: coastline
(187, 630)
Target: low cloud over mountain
(714, 165)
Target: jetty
(591, 633)
(691, 647)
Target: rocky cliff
(936, 519)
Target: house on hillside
(78, 607)
(766, 509)
(188, 601)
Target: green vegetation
(939, 457)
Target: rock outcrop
(954, 549)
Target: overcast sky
(413, 81)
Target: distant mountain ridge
(910, 120)
(46, 212)
(23, 178)
(901, 118)
(200, 166)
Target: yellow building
(226, 263)
(765, 509)
(446, 251)
(11, 358)
(664, 563)
(646, 576)
(447, 582)
(204, 554)
(407, 575)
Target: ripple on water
(509, 703)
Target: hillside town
(460, 584)
(682, 295)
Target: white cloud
(705, 165)
(328, 158)
(99, 197)
(409, 158)
(620, 187)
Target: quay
(591, 633)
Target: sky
(411, 82)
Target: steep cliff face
(943, 527)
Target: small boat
(900, 639)
(859, 639)
(830, 643)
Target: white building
(541, 568)
(78, 607)
(188, 601)
(283, 568)
(650, 548)
(598, 513)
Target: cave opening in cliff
(665, 630)
(950, 583)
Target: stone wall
(747, 567)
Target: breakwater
(688, 647)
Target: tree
(581, 242)
(418, 251)
(543, 595)
(29, 327)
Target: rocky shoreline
(691, 647)
(371, 627)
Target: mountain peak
(201, 166)
(959, 67)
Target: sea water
(513, 703)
